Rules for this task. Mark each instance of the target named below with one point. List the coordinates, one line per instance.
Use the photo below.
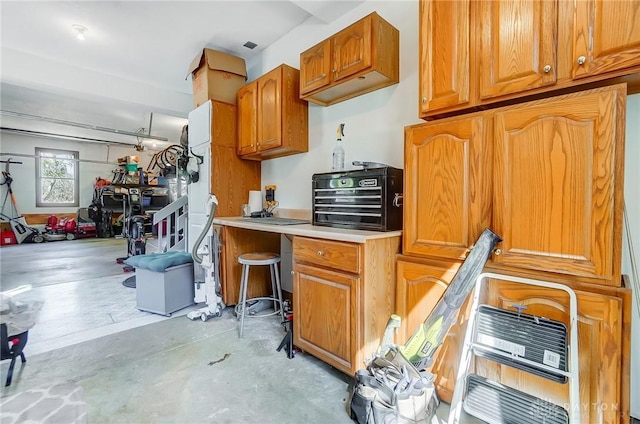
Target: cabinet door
(606, 36)
(326, 309)
(517, 46)
(247, 108)
(447, 186)
(599, 348)
(558, 184)
(444, 54)
(315, 67)
(351, 49)
(420, 287)
(269, 110)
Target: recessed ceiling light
(250, 45)
(80, 30)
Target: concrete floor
(112, 363)
(136, 367)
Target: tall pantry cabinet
(546, 175)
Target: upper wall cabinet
(444, 54)
(361, 58)
(606, 37)
(272, 119)
(475, 53)
(517, 46)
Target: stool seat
(259, 258)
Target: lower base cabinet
(604, 323)
(343, 295)
(326, 326)
(420, 287)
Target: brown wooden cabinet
(555, 190)
(272, 120)
(343, 295)
(247, 112)
(558, 184)
(315, 67)
(480, 53)
(361, 58)
(606, 37)
(420, 287)
(517, 46)
(447, 192)
(445, 55)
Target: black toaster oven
(367, 199)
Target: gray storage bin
(165, 292)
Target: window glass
(56, 177)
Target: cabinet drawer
(326, 253)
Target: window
(56, 177)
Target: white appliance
(200, 214)
(200, 145)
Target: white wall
(374, 121)
(632, 200)
(24, 175)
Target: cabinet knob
(335, 70)
(424, 100)
(582, 60)
(497, 252)
(320, 253)
(546, 69)
(324, 75)
(292, 273)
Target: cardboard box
(217, 76)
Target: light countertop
(308, 230)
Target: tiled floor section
(81, 286)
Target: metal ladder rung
(524, 361)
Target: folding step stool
(471, 348)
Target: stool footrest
(256, 305)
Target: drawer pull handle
(320, 253)
(397, 200)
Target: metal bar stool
(259, 258)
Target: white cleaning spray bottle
(338, 151)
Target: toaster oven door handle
(397, 200)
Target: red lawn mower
(62, 229)
(68, 228)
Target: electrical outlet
(270, 195)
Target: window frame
(76, 177)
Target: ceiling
(129, 74)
